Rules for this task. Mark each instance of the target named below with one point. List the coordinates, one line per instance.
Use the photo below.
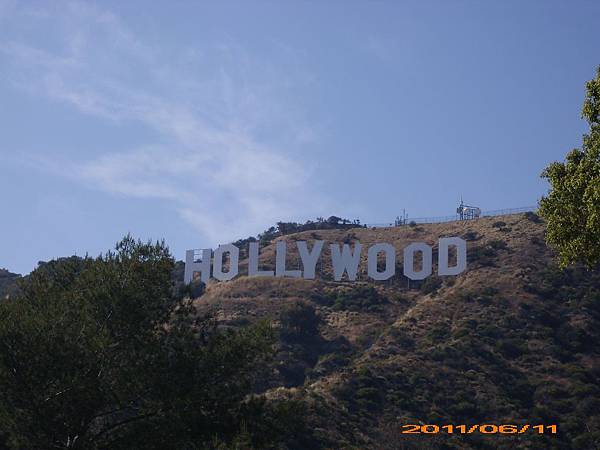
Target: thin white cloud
(221, 113)
(389, 50)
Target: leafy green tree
(102, 353)
(572, 206)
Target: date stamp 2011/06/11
(485, 428)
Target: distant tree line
(285, 228)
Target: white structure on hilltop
(466, 212)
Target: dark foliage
(530, 215)
(100, 353)
(431, 284)
(8, 283)
(285, 228)
(359, 298)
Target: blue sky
(204, 122)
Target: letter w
(345, 260)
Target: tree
(572, 206)
(333, 220)
(103, 353)
(299, 320)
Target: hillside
(513, 340)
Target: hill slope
(513, 340)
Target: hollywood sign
(344, 259)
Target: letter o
(390, 261)
(409, 261)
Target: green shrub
(471, 236)
(299, 321)
(533, 217)
(431, 285)
(195, 289)
(360, 298)
(497, 244)
(464, 408)
(481, 253)
(511, 348)
(402, 338)
(438, 333)
(537, 241)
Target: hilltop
(512, 340)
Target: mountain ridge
(513, 340)
(487, 346)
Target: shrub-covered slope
(513, 340)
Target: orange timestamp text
(485, 428)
